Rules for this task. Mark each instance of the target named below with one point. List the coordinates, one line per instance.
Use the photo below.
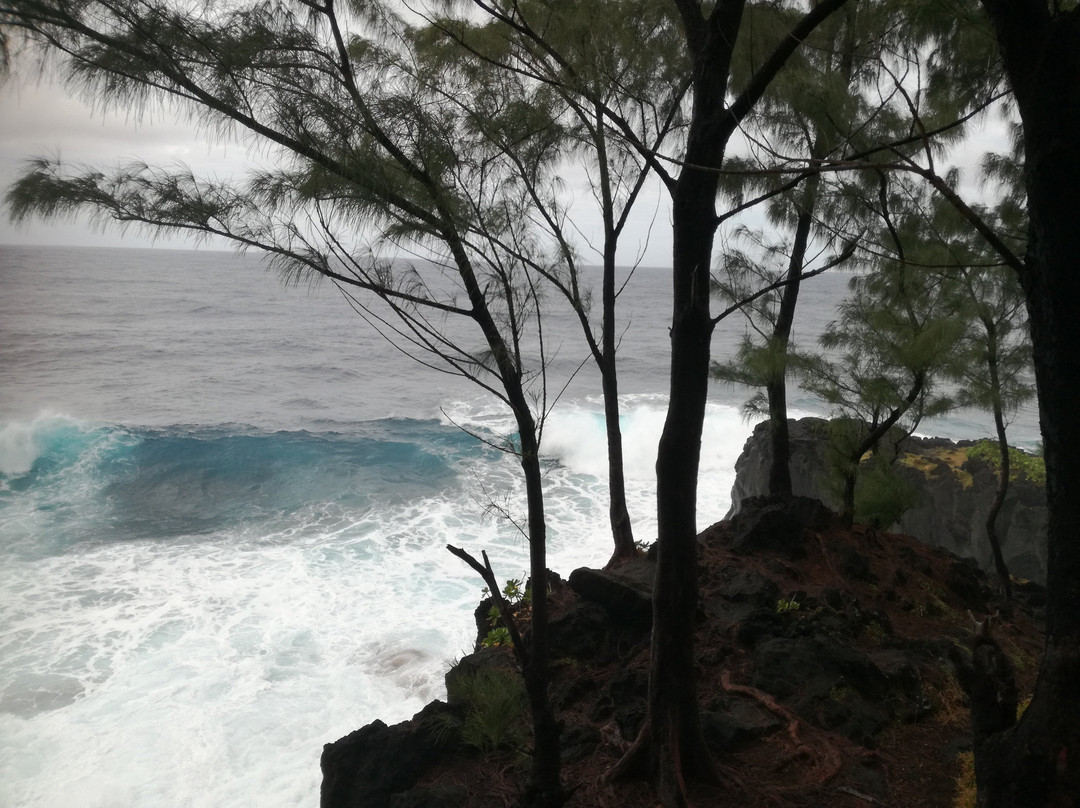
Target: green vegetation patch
(496, 710)
(1029, 466)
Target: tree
(798, 113)
(373, 158)
(1037, 761)
(670, 745)
(993, 363)
(543, 55)
(995, 357)
(894, 338)
(869, 79)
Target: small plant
(496, 710)
(515, 591)
(841, 693)
(518, 596)
(933, 606)
(498, 637)
(783, 606)
(876, 632)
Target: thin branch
(505, 614)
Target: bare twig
(505, 614)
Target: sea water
(224, 508)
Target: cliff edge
(952, 494)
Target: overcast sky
(39, 118)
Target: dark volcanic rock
(623, 701)
(585, 631)
(578, 742)
(366, 768)
(759, 625)
(969, 583)
(855, 565)
(846, 639)
(907, 700)
(438, 796)
(951, 509)
(733, 723)
(747, 585)
(471, 664)
(625, 594)
(776, 524)
(827, 682)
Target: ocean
(224, 506)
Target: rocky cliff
(953, 495)
(829, 665)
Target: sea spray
(237, 649)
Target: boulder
(735, 722)
(625, 594)
(368, 767)
(827, 682)
(775, 525)
(952, 504)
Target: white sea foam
(577, 437)
(22, 442)
(18, 448)
(210, 673)
(201, 671)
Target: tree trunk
(671, 747)
(1037, 762)
(622, 533)
(544, 789)
(779, 439)
(1003, 449)
(621, 529)
(671, 739)
(776, 389)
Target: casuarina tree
(377, 156)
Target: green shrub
(881, 494)
(1030, 466)
(496, 709)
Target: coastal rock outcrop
(376, 764)
(821, 652)
(953, 495)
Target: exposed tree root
(665, 765)
(825, 755)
